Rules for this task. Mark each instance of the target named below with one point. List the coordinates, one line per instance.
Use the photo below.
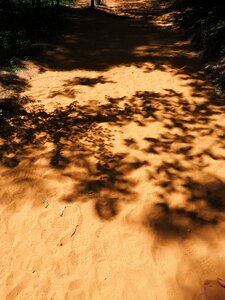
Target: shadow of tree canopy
(80, 138)
(190, 197)
(76, 129)
(181, 222)
(101, 39)
(67, 87)
(11, 84)
(186, 198)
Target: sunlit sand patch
(65, 87)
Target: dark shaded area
(204, 196)
(87, 81)
(25, 22)
(69, 85)
(11, 82)
(178, 222)
(99, 40)
(83, 137)
(204, 23)
(208, 198)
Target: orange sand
(136, 208)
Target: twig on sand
(62, 211)
(73, 233)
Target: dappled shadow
(11, 85)
(190, 197)
(67, 89)
(12, 82)
(98, 40)
(87, 81)
(101, 39)
(204, 207)
(80, 134)
(162, 143)
(82, 137)
(77, 131)
(178, 222)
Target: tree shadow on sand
(98, 40)
(80, 137)
(190, 197)
(77, 131)
(81, 134)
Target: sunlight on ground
(86, 87)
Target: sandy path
(113, 186)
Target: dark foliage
(25, 22)
(204, 22)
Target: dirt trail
(112, 174)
